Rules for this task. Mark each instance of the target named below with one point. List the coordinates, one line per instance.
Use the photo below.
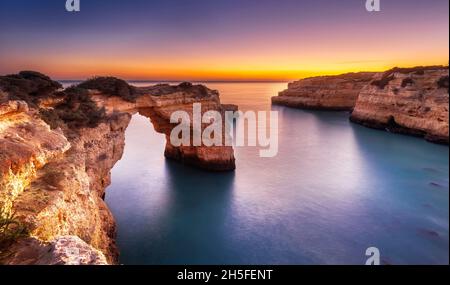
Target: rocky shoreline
(57, 149)
(334, 93)
(412, 101)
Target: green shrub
(51, 117)
(389, 74)
(418, 70)
(164, 89)
(111, 86)
(10, 230)
(75, 111)
(28, 86)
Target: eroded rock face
(65, 250)
(26, 145)
(158, 103)
(54, 180)
(409, 101)
(324, 92)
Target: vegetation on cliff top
(111, 86)
(164, 89)
(28, 86)
(76, 110)
(388, 75)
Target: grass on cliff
(198, 91)
(388, 75)
(75, 111)
(111, 86)
(11, 229)
(28, 86)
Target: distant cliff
(407, 100)
(411, 101)
(324, 92)
(57, 148)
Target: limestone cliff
(159, 102)
(57, 149)
(411, 101)
(337, 92)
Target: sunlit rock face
(159, 102)
(324, 92)
(54, 179)
(26, 144)
(410, 101)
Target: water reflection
(334, 189)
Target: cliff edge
(57, 148)
(336, 93)
(411, 101)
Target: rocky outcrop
(53, 180)
(54, 187)
(65, 250)
(324, 92)
(26, 144)
(159, 102)
(410, 101)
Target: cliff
(410, 101)
(338, 92)
(57, 149)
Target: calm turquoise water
(333, 190)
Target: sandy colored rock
(65, 250)
(410, 102)
(337, 92)
(55, 180)
(26, 145)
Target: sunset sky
(219, 39)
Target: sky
(220, 39)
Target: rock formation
(411, 101)
(57, 149)
(337, 92)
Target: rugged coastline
(335, 93)
(57, 149)
(412, 101)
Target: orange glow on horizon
(202, 71)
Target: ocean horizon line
(193, 81)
